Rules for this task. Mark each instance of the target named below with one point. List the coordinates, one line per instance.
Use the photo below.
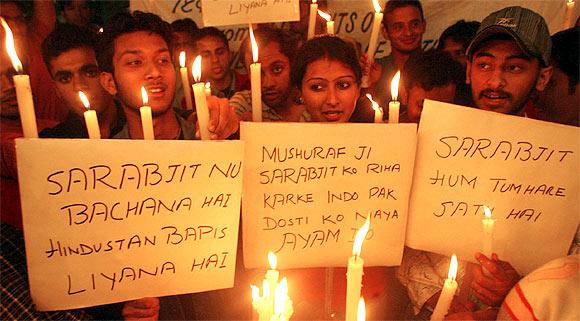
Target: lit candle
(272, 274)
(258, 303)
(362, 313)
(256, 80)
(207, 89)
(146, 118)
(329, 22)
(312, 19)
(185, 81)
(394, 105)
(487, 232)
(90, 118)
(447, 292)
(283, 308)
(378, 109)
(374, 39)
(354, 273)
(200, 99)
(568, 14)
(23, 91)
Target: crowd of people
(514, 68)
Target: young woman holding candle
(327, 74)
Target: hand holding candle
(23, 90)
(200, 99)
(329, 22)
(447, 293)
(91, 119)
(378, 109)
(185, 81)
(146, 117)
(354, 273)
(312, 19)
(394, 105)
(256, 80)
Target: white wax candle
(354, 275)
(312, 19)
(202, 109)
(447, 293)
(146, 117)
(91, 120)
(394, 107)
(200, 100)
(374, 36)
(185, 81)
(22, 84)
(330, 27)
(256, 80)
(92, 124)
(378, 110)
(488, 223)
(147, 123)
(25, 106)
(568, 14)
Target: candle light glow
(200, 99)
(447, 293)
(146, 116)
(378, 109)
(354, 273)
(22, 86)
(361, 315)
(394, 105)
(488, 224)
(91, 119)
(329, 22)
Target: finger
(483, 294)
(145, 303)
(491, 266)
(132, 312)
(214, 113)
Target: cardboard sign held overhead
(114, 220)
(525, 170)
(308, 188)
(233, 12)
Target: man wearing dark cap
(509, 60)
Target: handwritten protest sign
(114, 220)
(525, 170)
(233, 12)
(309, 187)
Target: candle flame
(208, 85)
(571, 1)
(314, 1)
(272, 260)
(487, 211)
(196, 69)
(254, 45)
(10, 47)
(377, 6)
(374, 103)
(182, 59)
(360, 236)
(144, 96)
(395, 85)
(324, 15)
(85, 100)
(361, 314)
(280, 297)
(101, 30)
(452, 268)
(255, 292)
